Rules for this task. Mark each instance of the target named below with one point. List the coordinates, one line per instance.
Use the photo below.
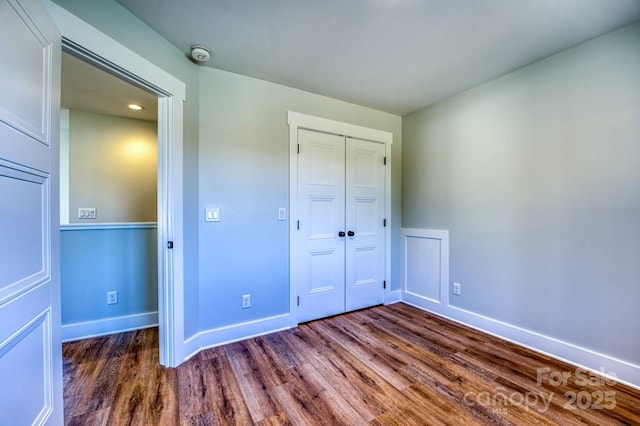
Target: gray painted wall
(244, 170)
(537, 176)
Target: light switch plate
(87, 213)
(212, 214)
(282, 213)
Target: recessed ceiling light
(136, 107)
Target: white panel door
(30, 349)
(321, 199)
(341, 238)
(365, 208)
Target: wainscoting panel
(425, 271)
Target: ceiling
(392, 55)
(87, 88)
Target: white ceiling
(392, 55)
(87, 88)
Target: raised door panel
(30, 352)
(365, 207)
(26, 101)
(321, 212)
(24, 226)
(26, 360)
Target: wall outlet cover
(457, 289)
(246, 301)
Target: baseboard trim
(234, 333)
(103, 327)
(619, 370)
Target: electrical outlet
(112, 297)
(246, 301)
(457, 289)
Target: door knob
(351, 233)
(341, 234)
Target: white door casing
(30, 348)
(375, 243)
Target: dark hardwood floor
(392, 365)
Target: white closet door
(321, 204)
(365, 208)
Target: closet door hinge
(384, 161)
(298, 148)
(384, 284)
(298, 300)
(384, 222)
(298, 225)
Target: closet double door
(341, 236)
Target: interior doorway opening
(108, 202)
(92, 46)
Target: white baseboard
(233, 333)
(394, 296)
(619, 370)
(85, 330)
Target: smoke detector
(200, 53)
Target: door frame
(93, 46)
(296, 121)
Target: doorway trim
(93, 46)
(297, 121)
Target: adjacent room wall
(111, 164)
(244, 157)
(112, 167)
(537, 176)
(97, 261)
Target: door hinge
(384, 284)
(384, 161)
(169, 244)
(298, 148)
(298, 225)
(384, 222)
(298, 300)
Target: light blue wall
(94, 262)
(537, 176)
(244, 170)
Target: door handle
(341, 234)
(351, 233)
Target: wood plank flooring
(388, 365)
